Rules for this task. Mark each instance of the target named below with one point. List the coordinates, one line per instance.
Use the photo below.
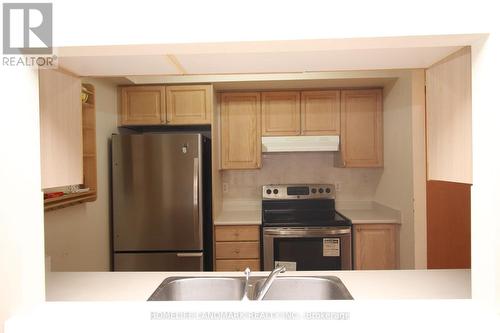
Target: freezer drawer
(181, 261)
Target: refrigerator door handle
(192, 254)
(196, 185)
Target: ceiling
(260, 57)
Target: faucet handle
(245, 291)
(280, 269)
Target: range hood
(276, 144)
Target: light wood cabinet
(237, 250)
(228, 265)
(89, 156)
(171, 105)
(61, 142)
(237, 247)
(190, 104)
(280, 113)
(361, 141)
(449, 118)
(240, 130)
(237, 233)
(376, 246)
(143, 105)
(320, 112)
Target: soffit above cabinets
(118, 65)
(315, 61)
(260, 57)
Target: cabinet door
(361, 128)
(61, 143)
(240, 130)
(280, 113)
(143, 105)
(320, 112)
(189, 105)
(376, 246)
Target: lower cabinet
(237, 247)
(376, 246)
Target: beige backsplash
(357, 184)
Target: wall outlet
(338, 187)
(225, 187)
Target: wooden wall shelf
(69, 200)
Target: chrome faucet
(269, 281)
(247, 278)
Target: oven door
(307, 249)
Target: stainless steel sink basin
(199, 289)
(305, 288)
(232, 288)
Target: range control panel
(298, 191)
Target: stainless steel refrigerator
(161, 202)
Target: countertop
(240, 212)
(243, 212)
(392, 301)
(363, 285)
(369, 212)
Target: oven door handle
(305, 232)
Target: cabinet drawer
(227, 265)
(237, 250)
(237, 233)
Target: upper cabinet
(143, 105)
(166, 105)
(301, 113)
(61, 142)
(280, 113)
(240, 130)
(361, 128)
(189, 104)
(353, 114)
(449, 118)
(320, 112)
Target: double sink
(233, 288)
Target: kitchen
(232, 179)
(381, 210)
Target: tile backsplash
(356, 184)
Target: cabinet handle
(185, 254)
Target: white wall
(485, 193)
(22, 269)
(77, 238)
(419, 168)
(395, 188)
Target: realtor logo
(27, 28)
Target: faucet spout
(269, 281)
